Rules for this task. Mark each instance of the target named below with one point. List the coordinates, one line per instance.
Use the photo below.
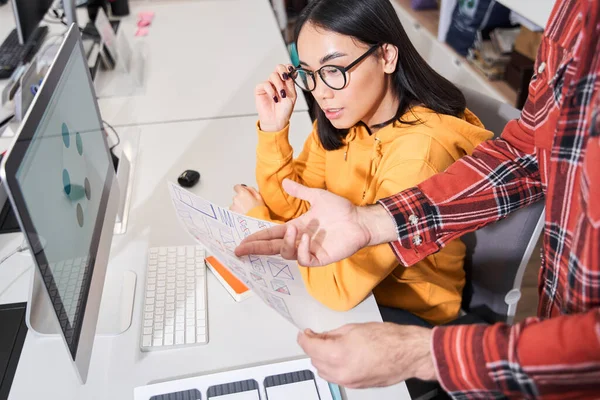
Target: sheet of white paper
(258, 373)
(276, 281)
(249, 395)
(305, 390)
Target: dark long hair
(376, 22)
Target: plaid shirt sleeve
(479, 361)
(501, 176)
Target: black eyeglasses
(333, 76)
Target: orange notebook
(234, 286)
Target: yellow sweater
(366, 169)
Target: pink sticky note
(146, 15)
(143, 23)
(142, 32)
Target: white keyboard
(175, 299)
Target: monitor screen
(64, 181)
(28, 14)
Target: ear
(389, 57)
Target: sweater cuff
(274, 146)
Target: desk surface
(237, 331)
(537, 11)
(202, 60)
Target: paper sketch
(280, 287)
(276, 281)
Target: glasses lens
(333, 77)
(304, 80)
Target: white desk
(537, 11)
(240, 334)
(203, 59)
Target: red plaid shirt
(553, 151)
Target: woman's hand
(245, 199)
(275, 99)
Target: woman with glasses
(385, 121)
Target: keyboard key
(180, 251)
(147, 323)
(169, 330)
(157, 342)
(162, 251)
(179, 338)
(147, 340)
(147, 331)
(168, 340)
(190, 336)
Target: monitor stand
(116, 307)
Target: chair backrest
(493, 113)
(497, 254)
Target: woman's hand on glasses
(275, 99)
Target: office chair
(497, 254)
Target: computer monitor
(28, 15)
(62, 186)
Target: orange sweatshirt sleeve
(275, 162)
(344, 284)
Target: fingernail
(283, 94)
(285, 76)
(244, 185)
(290, 68)
(275, 99)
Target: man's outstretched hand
(333, 229)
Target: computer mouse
(188, 178)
